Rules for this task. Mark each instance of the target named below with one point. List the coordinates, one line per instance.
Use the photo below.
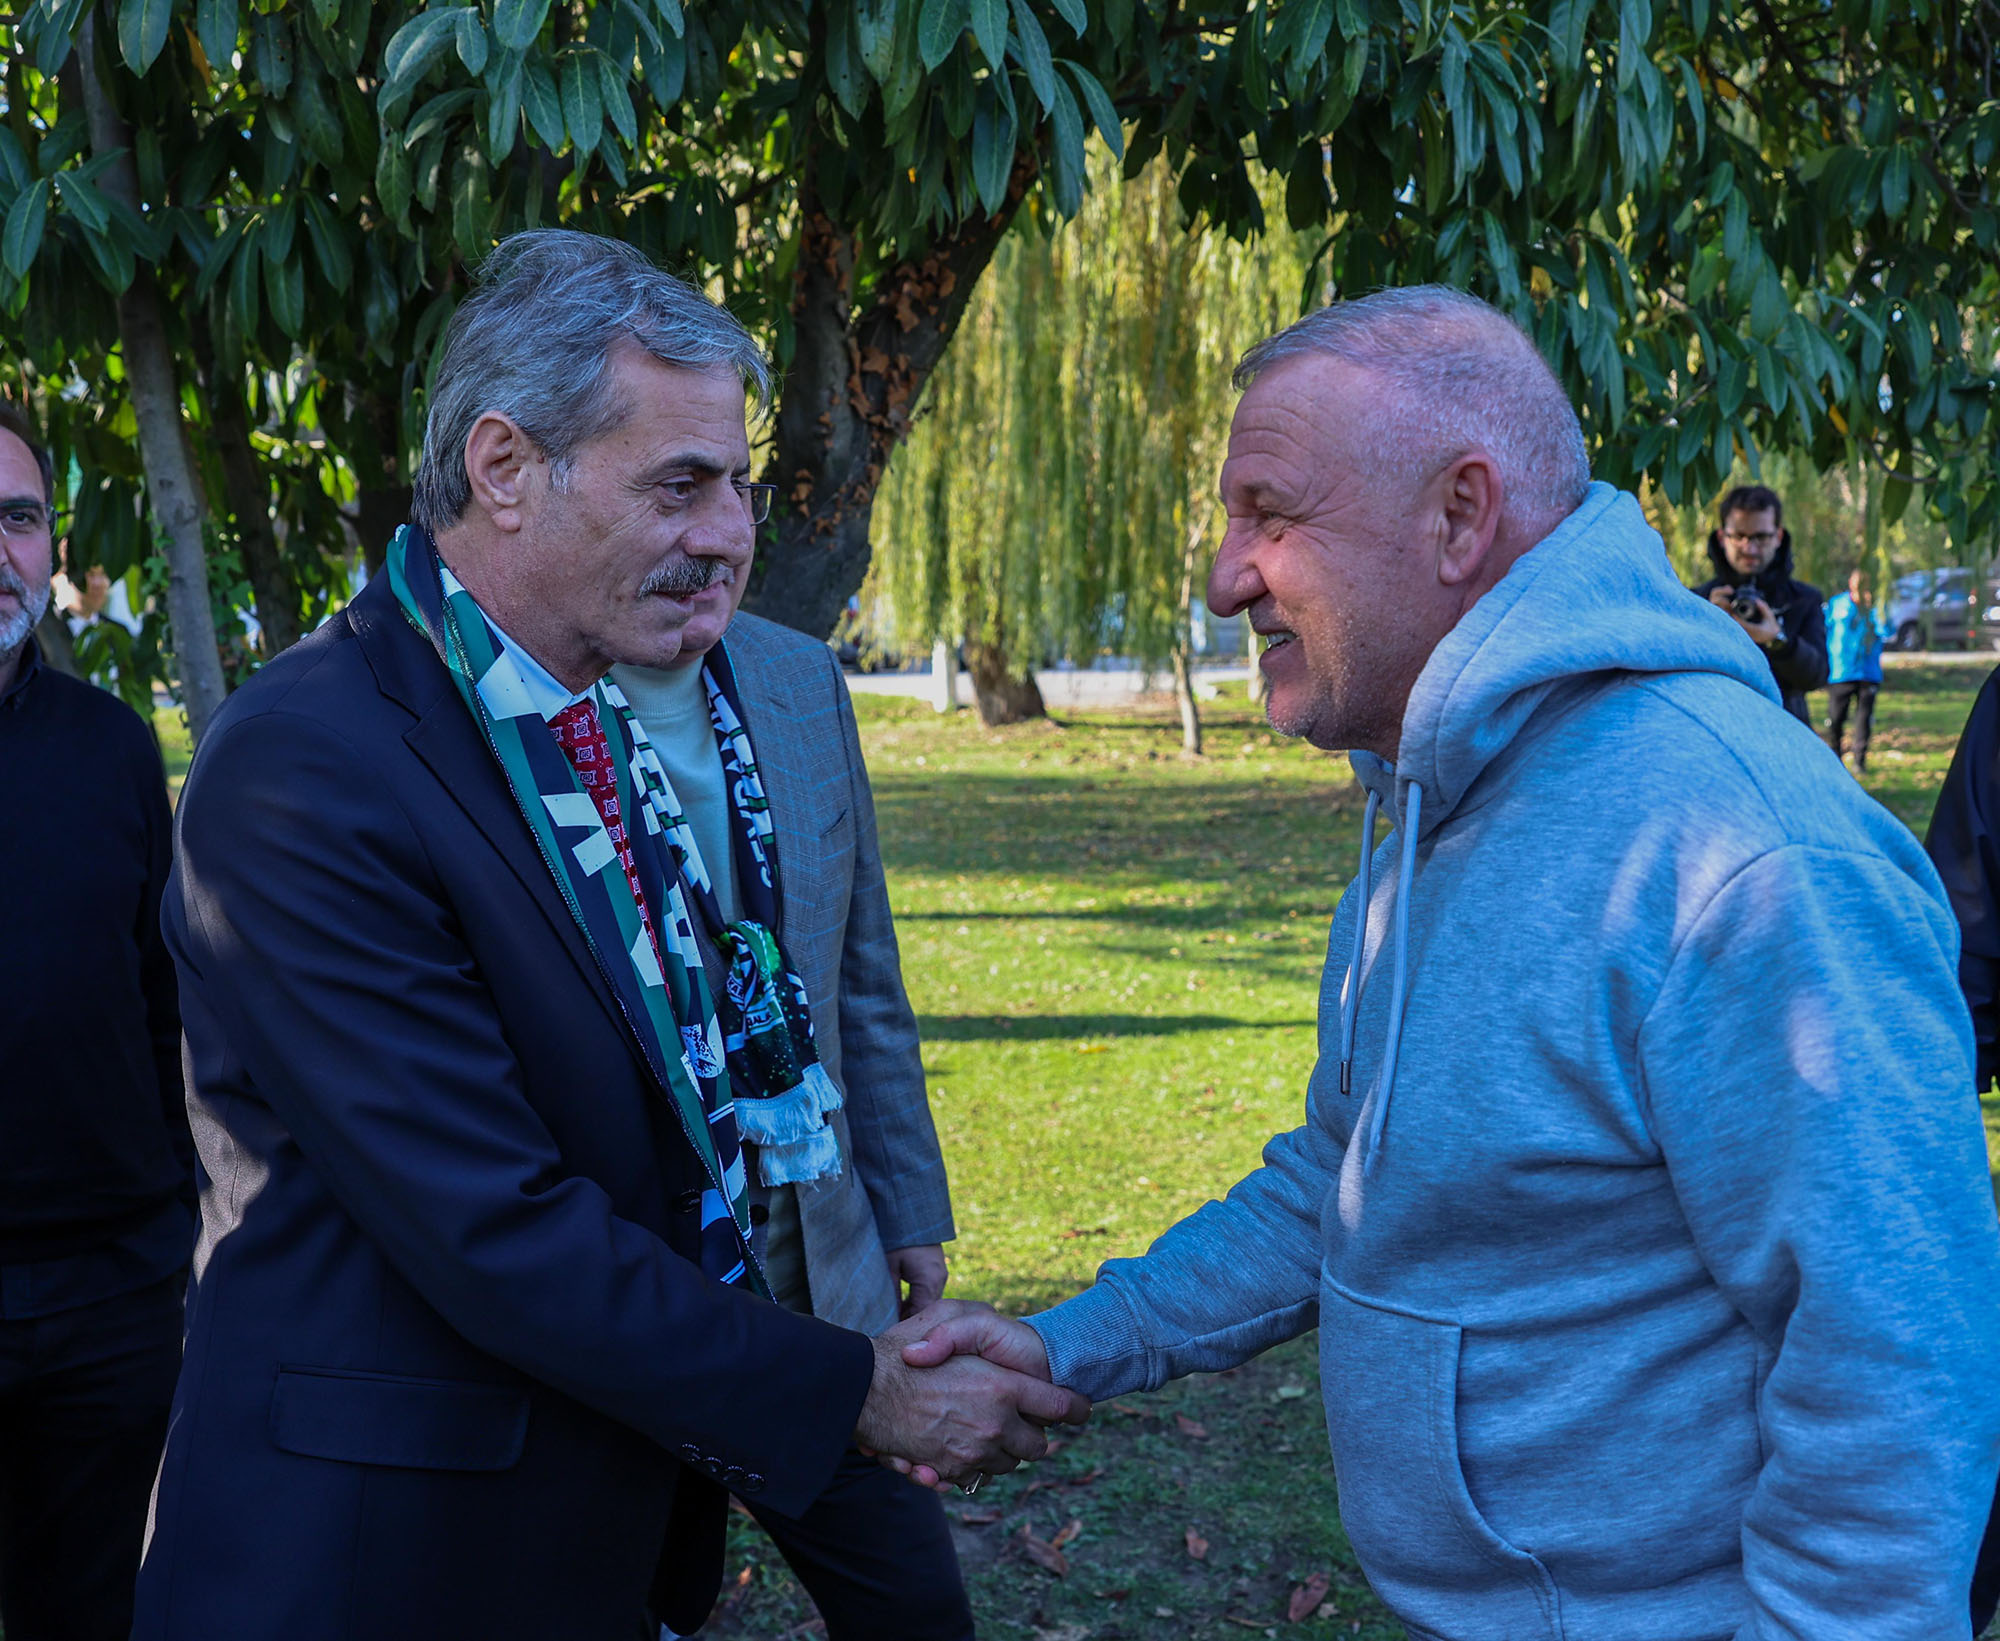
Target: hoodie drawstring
(1399, 985)
(1350, 989)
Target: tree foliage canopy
(1732, 226)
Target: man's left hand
(923, 1270)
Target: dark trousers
(1861, 696)
(83, 1415)
(1986, 1575)
(875, 1555)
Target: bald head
(1452, 375)
(1391, 458)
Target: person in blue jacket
(1855, 632)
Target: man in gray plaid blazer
(861, 1245)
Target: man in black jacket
(1752, 555)
(1964, 845)
(96, 1167)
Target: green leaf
(271, 52)
(582, 99)
(415, 46)
(142, 31)
(392, 179)
(1103, 114)
(671, 14)
(1035, 54)
(436, 113)
(336, 262)
(665, 67)
(875, 34)
(843, 63)
(942, 22)
(503, 106)
(56, 31)
(1568, 19)
(544, 105)
(1069, 167)
(1072, 13)
(473, 44)
(989, 28)
(14, 163)
(617, 100)
(994, 134)
(516, 23)
(82, 201)
(285, 286)
(22, 237)
(245, 302)
(318, 120)
(471, 195)
(215, 27)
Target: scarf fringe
(794, 1143)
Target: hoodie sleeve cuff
(1093, 1343)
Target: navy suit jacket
(450, 1369)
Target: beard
(684, 577)
(31, 606)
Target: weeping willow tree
(1056, 497)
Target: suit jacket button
(691, 1453)
(687, 1202)
(732, 1476)
(751, 1483)
(759, 1213)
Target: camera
(1743, 604)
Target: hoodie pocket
(1391, 1384)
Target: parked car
(1938, 609)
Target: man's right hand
(961, 1417)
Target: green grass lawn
(1114, 955)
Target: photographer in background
(1752, 555)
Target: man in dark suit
(479, 1335)
(843, 1239)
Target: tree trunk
(849, 392)
(249, 496)
(173, 487)
(1184, 644)
(1002, 695)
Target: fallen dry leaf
(1246, 1623)
(1191, 1428)
(1126, 1407)
(1074, 1526)
(979, 1518)
(1307, 1597)
(1197, 1546)
(1044, 1554)
(1086, 1478)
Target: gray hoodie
(1653, 1252)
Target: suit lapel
(449, 744)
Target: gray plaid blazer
(834, 922)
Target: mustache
(684, 577)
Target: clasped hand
(961, 1390)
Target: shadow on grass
(964, 1028)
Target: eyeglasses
(29, 520)
(756, 497)
(1763, 538)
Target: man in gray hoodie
(1641, 1201)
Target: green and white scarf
(662, 994)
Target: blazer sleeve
(1964, 849)
(889, 1116)
(330, 956)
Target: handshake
(961, 1392)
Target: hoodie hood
(1596, 596)
(1776, 574)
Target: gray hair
(1461, 376)
(532, 343)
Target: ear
(498, 456)
(1470, 498)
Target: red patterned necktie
(581, 736)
